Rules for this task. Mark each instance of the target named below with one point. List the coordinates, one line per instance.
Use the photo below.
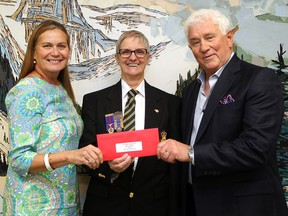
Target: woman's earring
(34, 61)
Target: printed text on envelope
(129, 146)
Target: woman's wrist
(47, 163)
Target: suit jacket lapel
(152, 117)
(188, 111)
(223, 84)
(152, 107)
(114, 98)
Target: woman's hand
(88, 155)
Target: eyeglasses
(126, 53)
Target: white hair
(208, 14)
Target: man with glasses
(129, 186)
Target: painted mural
(94, 26)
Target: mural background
(94, 26)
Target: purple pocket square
(227, 99)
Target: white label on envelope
(129, 147)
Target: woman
(143, 185)
(45, 129)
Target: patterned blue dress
(42, 119)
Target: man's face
(210, 47)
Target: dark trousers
(190, 205)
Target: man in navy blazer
(154, 188)
(231, 118)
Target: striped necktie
(129, 112)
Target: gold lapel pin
(163, 135)
(101, 175)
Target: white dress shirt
(201, 104)
(139, 108)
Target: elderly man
(231, 118)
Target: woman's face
(51, 52)
(133, 66)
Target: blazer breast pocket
(231, 111)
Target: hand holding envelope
(135, 143)
(120, 164)
(172, 150)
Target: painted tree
(282, 145)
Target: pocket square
(227, 99)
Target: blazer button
(131, 195)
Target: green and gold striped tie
(129, 112)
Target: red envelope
(135, 143)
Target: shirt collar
(126, 88)
(201, 75)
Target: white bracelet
(46, 162)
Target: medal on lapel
(118, 121)
(114, 121)
(109, 119)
